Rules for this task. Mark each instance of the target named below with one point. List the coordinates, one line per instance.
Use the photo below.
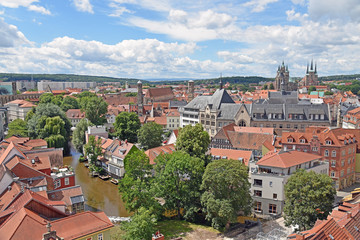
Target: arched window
(242, 123)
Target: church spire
(307, 68)
(315, 69)
(311, 66)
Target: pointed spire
(311, 66)
(279, 68)
(283, 65)
(287, 68)
(315, 69)
(307, 68)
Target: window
(302, 140)
(287, 125)
(333, 163)
(274, 196)
(328, 142)
(342, 173)
(272, 208)
(270, 184)
(100, 236)
(295, 126)
(67, 181)
(348, 170)
(349, 160)
(258, 182)
(57, 183)
(257, 206)
(332, 174)
(290, 140)
(314, 149)
(349, 151)
(280, 125)
(257, 193)
(326, 153)
(343, 153)
(342, 163)
(274, 125)
(333, 153)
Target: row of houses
(39, 196)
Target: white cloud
(17, 3)
(39, 9)
(10, 36)
(204, 25)
(118, 10)
(83, 6)
(258, 5)
(333, 9)
(25, 3)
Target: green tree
(54, 132)
(17, 127)
(330, 93)
(265, 87)
(177, 181)
(150, 135)
(78, 138)
(46, 98)
(95, 109)
(309, 196)
(127, 126)
(271, 87)
(311, 89)
(193, 140)
(135, 187)
(93, 149)
(37, 122)
(69, 103)
(141, 226)
(226, 191)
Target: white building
(44, 85)
(269, 175)
(18, 109)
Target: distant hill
(232, 80)
(7, 77)
(340, 77)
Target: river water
(99, 195)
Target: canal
(99, 195)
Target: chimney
(37, 159)
(348, 215)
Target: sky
(195, 39)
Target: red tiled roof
(286, 159)
(232, 154)
(154, 152)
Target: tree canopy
(69, 103)
(36, 124)
(78, 138)
(226, 191)
(135, 187)
(127, 126)
(141, 226)
(177, 181)
(17, 127)
(54, 132)
(193, 140)
(309, 196)
(150, 135)
(95, 109)
(93, 149)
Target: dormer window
(302, 140)
(328, 142)
(345, 142)
(290, 140)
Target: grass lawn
(173, 228)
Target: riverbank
(99, 195)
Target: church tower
(282, 77)
(311, 78)
(140, 101)
(190, 90)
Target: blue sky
(174, 38)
